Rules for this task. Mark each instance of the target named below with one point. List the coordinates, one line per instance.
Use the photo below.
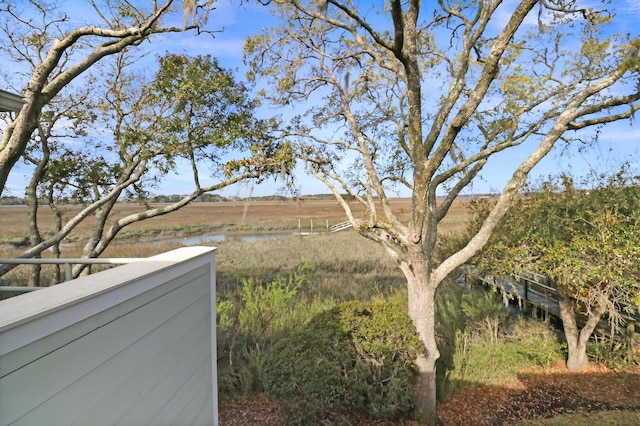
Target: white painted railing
(68, 264)
(340, 226)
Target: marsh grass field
(334, 253)
(201, 218)
(248, 215)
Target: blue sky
(617, 143)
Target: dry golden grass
(202, 217)
(162, 234)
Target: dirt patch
(537, 396)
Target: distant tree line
(19, 201)
(12, 201)
(204, 198)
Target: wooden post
(630, 339)
(526, 293)
(68, 272)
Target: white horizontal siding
(133, 353)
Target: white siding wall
(132, 345)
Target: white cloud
(633, 6)
(220, 46)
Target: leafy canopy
(582, 234)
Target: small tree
(192, 110)
(53, 164)
(584, 237)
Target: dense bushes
(357, 355)
(250, 324)
(320, 359)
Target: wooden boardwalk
(340, 226)
(530, 292)
(536, 295)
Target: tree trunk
(576, 339)
(15, 138)
(422, 313)
(577, 358)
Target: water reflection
(221, 237)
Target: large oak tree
(422, 95)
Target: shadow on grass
(549, 395)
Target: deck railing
(68, 265)
(134, 344)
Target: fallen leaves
(538, 395)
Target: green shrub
(225, 316)
(357, 355)
(266, 307)
(482, 342)
(463, 314)
(485, 313)
(263, 313)
(531, 344)
(537, 342)
(611, 354)
(481, 359)
(305, 371)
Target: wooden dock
(340, 226)
(535, 294)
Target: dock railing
(340, 226)
(537, 291)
